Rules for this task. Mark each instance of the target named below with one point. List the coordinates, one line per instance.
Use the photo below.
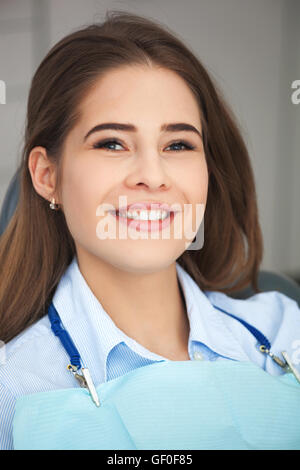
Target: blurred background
(250, 48)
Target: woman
(106, 333)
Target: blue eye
(185, 144)
(105, 143)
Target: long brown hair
(37, 247)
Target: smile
(145, 221)
(144, 214)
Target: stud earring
(53, 205)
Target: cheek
(81, 194)
(197, 196)
(196, 182)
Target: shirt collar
(88, 323)
(207, 324)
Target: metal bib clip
(85, 380)
(286, 364)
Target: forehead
(140, 93)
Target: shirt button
(198, 356)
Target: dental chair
(267, 280)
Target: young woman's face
(145, 165)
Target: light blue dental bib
(167, 405)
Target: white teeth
(145, 215)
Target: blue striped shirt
(36, 361)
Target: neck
(149, 308)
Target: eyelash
(102, 143)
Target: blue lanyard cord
(256, 333)
(64, 336)
(265, 344)
(85, 380)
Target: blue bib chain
(84, 379)
(265, 345)
(65, 338)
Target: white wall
(15, 70)
(250, 47)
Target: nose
(149, 170)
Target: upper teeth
(144, 214)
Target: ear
(43, 173)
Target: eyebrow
(172, 127)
